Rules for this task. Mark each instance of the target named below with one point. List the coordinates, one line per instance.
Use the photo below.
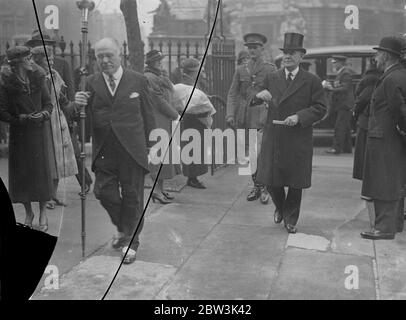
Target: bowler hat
(36, 39)
(152, 56)
(254, 39)
(17, 52)
(390, 44)
(191, 64)
(293, 41)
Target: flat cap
(36, 39)
(17, 52)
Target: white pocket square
(134, 95)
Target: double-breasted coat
(30, 162)
(287, 152)
(248, 80)
(128, 114)
(385, 158)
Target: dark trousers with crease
(387, 216)
(342, 132)
(287, 204)
(117, 171)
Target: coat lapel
(281, 81)
(294, 86)
(101, 89)
(387, 72)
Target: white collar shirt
(294, 73)
(117, 78)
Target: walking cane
(85, 6)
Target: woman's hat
(17, 52)
(293, 41)
(152, 56)
(36, 40)
(390, 44)
(242, 55)
(191, 64)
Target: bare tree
(135, 44)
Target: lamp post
(85, 6)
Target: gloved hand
(38, 117)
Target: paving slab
(234, 262)
(312, 275)
(89, 281)
(308, 241)
(391, 263)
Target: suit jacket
(65, 72)
(385, 157)
(128, 114)
(287, 152)
(248, 80)
(342, 97)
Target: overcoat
(385, 158)
(164, 113)
(128, 115)
(287, 152)
(29, 159)
(248, 80)
(342, 97)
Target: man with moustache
(244, 110)
(385, 158)
(296, 100)
(119, 106)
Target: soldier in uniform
(244, 110)
(342, 101)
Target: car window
(354, 63)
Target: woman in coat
(164, 113)
(26, 106)
(61, 148)
(198, 116)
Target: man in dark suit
(296, 101)
(385, 158)
(342, 103)
(121, 115)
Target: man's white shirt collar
(294, 73)
(117, 78)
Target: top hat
(36, 40)
(17, 52)
(390, 44)
(254, 39)
(338, 57)
(293, 41)
(191, 64)
(152, 56)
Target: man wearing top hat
(296, 100)
(385, 158)
(244, 110)
(342, 103)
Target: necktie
(112, 83)
(289, 79)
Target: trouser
(288, 205)
(255, 150)
(342, 132)
(387, 216)
(400, 218)
(77, 151)
(115, 169)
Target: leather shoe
(277, 217)
(290, 228)
(264, 197)
(254, 194)
(129, 257)
(377, 235)
(194, 183)
(118, 242)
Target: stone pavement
(213, 244)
